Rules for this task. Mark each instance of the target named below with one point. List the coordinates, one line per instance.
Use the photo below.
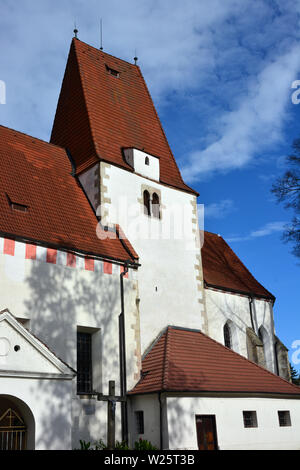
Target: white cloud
(254, 125)
(268, 229)
(214, 49)
(218, 210)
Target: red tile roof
(185, 360)
(98, 114)
(223, 269)
(37, 174)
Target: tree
(295, 376)
(287, 190)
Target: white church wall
(231, 433)
(223, 307)
(170, 277)
(149, 405)
(55, 300)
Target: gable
(22, 354)
(224, 270)
(38, 175)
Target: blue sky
(220, 74)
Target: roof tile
(188, 360)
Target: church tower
(107, 121)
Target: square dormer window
(17, 206)
(113, 72)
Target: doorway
(17, 424)
(206, 432)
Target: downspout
(160, 422)
(276, 366)
(251, 312)
(122, 346)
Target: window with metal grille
(139, 420)
(250, 419)
(84, 363)
(284, 418)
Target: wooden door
(206, 432)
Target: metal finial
(75, 30)
(135, 60)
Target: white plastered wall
(50, 402)
(223, 306)
(56, 300)
(231, 433)
(170, 276)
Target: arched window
(147, 209)
(265, 339)
(227, 336)
(155, 206)
(147, 162)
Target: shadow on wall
(181, 412)
(57, 297)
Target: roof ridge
(165, 359)
(85, 100)
(103, 52)
(10, 129)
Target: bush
(141, 444)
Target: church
(111, 293)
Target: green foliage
(85, 445)
(143, 444)
(295, 376)
(121, 446)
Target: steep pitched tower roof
(105, 107)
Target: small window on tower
(147, 161)
(147, 209)
(113, 72)
(155, 206)
(16, 206)
(227, 336)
